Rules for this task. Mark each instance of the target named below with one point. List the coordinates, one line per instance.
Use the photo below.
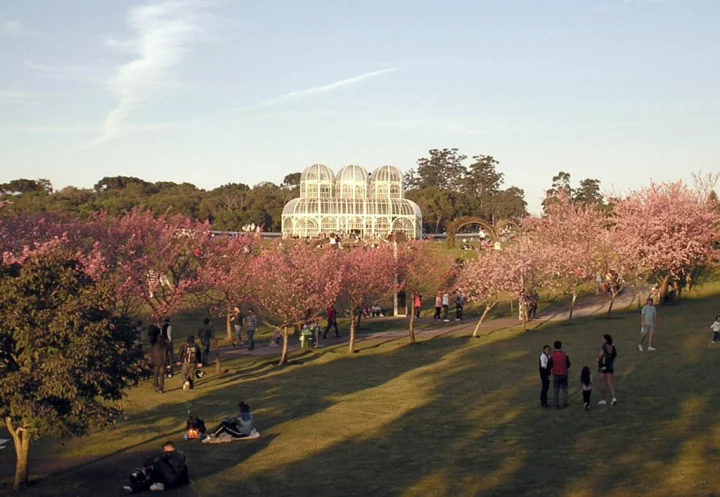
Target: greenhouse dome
(351, 203)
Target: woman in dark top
(606, 367)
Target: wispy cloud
(163, 32)
(12, 29)
(316, 90)
(22, 97)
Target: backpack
(191, 354)
(195, 427)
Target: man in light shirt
(648, 322)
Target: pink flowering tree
(226, 277)
(523, 269)
(423, 269)
(669, 228)
(368, 274)
(568, 236)
(295, 283)
(484, 280)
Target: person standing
(587, 386)
(446, 306)
(166, 332)
(544, 375)
(251, 325)
(648, 322)
(236, 318)
(206, 333)
(438, 306)
(606, 366)
(559, 365)
(190, 359)
(715, 327)
(153, 334)
(158, 356)
(331, 321)
(417, 305)
(459, 305)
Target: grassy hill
(449, 416)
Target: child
(716, 330)
(275, 340)
(586, 380)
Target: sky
(218, 91)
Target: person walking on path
(544, 375)
(606, 367)
(417, 305)
(190, 359)
(648, 323)
(251, 325)
(446, 306)
(715, 327)
(438, 306)
(459, 305)
(587, 386)
(331, 321)
(206, 333)
(559, 365)
(158, 356)
(236, 318)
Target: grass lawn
(450, 416)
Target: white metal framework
(353, 202)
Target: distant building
(353, 202)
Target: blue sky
(213, 91)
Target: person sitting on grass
(276, 338)
(162, 472)
(241, 426)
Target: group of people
(442, 305)
(170, 470)
(555, 366)
(249, 323)
(528, 305)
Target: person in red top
(331, 321)
(559, 365)
(418, 305)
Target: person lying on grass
(165, 471)
(241, 426)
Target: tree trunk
(511, 307)
(412, 326)
(663, 290)
(572, 305)
(229, 325)
(488, 308)
(613, 295)
(21, 440)
(353, 329)
(218, 367)
(283, 356)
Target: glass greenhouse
(352, 202)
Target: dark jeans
(417, 312)
(251, 339)
(716, 336)
(437, 313)
(188, 373)
(458, 311)
(586, 396)
(445, 311)
(560, 383)
(206, 352)
(532, 312)
(159, 373)
(544, 392)
(228, 428)
(332, 324)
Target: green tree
(20, 186)
(444, 169)
(64, 359)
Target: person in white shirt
(544, 375)
(648, 322)
(446, 306)
(715, 327)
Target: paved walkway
(589, 306)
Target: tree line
(443, 184)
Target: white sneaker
(650, 349)
(640, 348)
(127, 488)
(157, 486)
(614, 402)
(186, 385)
(446, 320)
(602, 403)
(206, 440)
